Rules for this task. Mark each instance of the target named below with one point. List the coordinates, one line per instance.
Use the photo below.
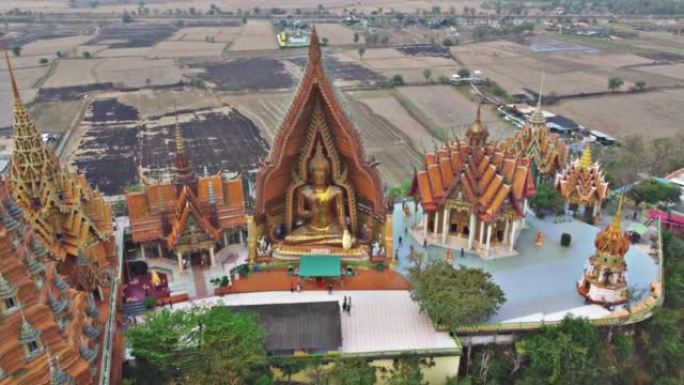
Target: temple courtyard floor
(539, 282)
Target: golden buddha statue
(320, 205)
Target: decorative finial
(319, 161)
(478, 122)
(180, 145)
(585, 161)
(13, 81)
(314, 47)
(541, 90)
(617, 219)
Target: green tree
(356, 37)
(361, 51)
(126, 17)
(455, 296)
(427, 73)
(546, 198)
(653, 191)
(290, 366)
(397, 80)
(615, 83)
(406, 370)
(325, 40)
(464, 73)
(16, 50)
(43, 60)
(640, 85)
(257, 10)
(351, 371)
(87, 55)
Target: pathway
(200, 284)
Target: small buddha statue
(320, 205)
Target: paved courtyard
(539, 283)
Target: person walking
(330, 287)
(349, 306)
(462, 253)
(344, 305)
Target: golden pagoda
(603, 281)
(582, 185)
(546, 150)
(473, 194)
(70, 217)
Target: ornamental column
(242, 239)
(179, 255)
(597, 209)
(482, 230)
(445, 224)
(159, 250)
(471, 231)
(512, 237)
(142, 251)
(436, 223)
(425, 225)
(489, 237)
(225, 239)
(507, 234)
(211, 256)
(524, 211)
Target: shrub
(379, 266)
(43, 61)
(565, 239)
(397, 80)
(150, 301)
(443, 79)
(225, 281)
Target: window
(10, 303)
(32, 347)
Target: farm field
(55, 117)
(255, 35)
(173, 49)
(51, 46)
(338, 34)
(452, 111)
(652, 114)
(218, 34)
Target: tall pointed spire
(617, 219)
(13, 81)
(33, 168)
(184, 174)
(537, 119)
(585, 161)
(314, 47)
(476, 135)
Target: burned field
(71, 92)
(116, 143)
(133, 36)
(424, 50)
(247, 74)
(342, 70)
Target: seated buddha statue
(320, 206)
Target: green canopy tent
(637, 228)
(320, 266)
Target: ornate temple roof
(582, 182)
(316, 91)
(32, 319)
(162, 210)
(612, 240)
(546, 150)
(65, 212)
(475, 171)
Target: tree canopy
(653, 191)
(455, 296)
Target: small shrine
(603, 281)
(474, 196)
(190, 218)
(582, 186)
(316, 194)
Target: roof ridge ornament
(314, 47)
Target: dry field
(453, 111)
(172, 49)
(674, 71)
(338, 34)
(516, 67)
(219, 34)
(124, 52)
(137, 72)
(153, 103)
(389, 62)
(652, 114)
(255, 35)
(73, 72)
(93, 49)
(27, 61)
(266, 110)
(55, 117)
(51, 46)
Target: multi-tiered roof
(49, 331)
(68, 216)
(476, 171)
(582, 182)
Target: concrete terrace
(539, 282)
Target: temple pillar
(436, 223)
(212, 256)
(566, 207)
(179, 255)
(511, 243)
(242, 239)
(482, 230)
(524, 211)
(389, 242)
(597, 209)
(251, 240)
(225, 239)
(142, 251)
(471, 231)
(489, 237)
(445, 224)
(507, 234)
(159, 250)
(425, 225)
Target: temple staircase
(200, 283)
(134, 308)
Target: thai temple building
(190, 218)
(50, 331)
(603, 281)
(473, 194)
(317, 194)
(582, 186)
(69, 217)
(546, 150)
